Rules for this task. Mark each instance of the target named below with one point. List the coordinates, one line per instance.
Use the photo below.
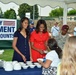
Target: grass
(7, 55)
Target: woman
(21, 42)
(68, 63)
(38, 40)
(63, 36)
(52, 58)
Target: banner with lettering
(7, 28)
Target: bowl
(40, 59)
(38, 65)
(1, 51)
(14, 62)
(21, 63)
(29, 62)
(31, 66)
(17, 66)
(1, 63)
(8, 66)
(25, 66)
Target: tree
(10, 14)
(36, 14)
(24, 8)
(1, 14)
(72, 12)
(56, 12)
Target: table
(29, 71)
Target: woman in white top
(52, 58)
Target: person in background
(21, 42)
(63, 36)
(55, 30)
(32, 28)
(68, 62)
(52, 58)
(75, 30)
(38, 40)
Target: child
(52, 58)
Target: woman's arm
(45, 64)
(30, 52)
(46, 44)
(16, 49)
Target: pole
(33, 12)
(65, 14)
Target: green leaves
(10, 14)
(24, 8)
(56, 12)
(72, 12)
(59, 12)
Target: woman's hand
(24, 58)
(40, 61)
(41, 51)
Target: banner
(7, 29)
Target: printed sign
(7, 29)
(27, 15)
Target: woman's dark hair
(54, 46)
(20, 28)
(38, 25)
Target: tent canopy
(52, 3)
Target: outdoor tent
(65, 4)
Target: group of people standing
(29, 44)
